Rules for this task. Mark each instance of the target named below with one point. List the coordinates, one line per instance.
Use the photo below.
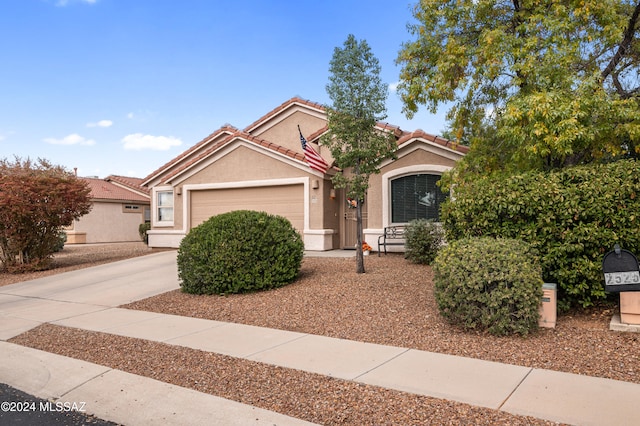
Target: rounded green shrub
(489, 284)
(238, 252)
(423, 239)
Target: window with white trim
(416, 196)
(164, 206)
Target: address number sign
(621, 271)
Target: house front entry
(350, 226)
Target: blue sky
(123, 86)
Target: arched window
(416, 197)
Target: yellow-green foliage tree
(532, 84)
(37, 200)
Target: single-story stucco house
(263, 167)
(119, 205)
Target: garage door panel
(286, 201)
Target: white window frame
(156, 206)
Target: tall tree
(534, 84)
(359, 103)
(37, 199)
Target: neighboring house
(263, 168)
(120, 205)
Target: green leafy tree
(356, 144)
(532, 84)
(37, 200)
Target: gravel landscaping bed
(392, 304)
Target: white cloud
(394, 86)
(73, 139)
(130, 116)
(101, 123)
(139, 142)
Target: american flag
(314, 159)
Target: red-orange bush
(37, 200)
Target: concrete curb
(122, 397)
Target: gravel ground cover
(391, 304)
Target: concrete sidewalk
(87, 299)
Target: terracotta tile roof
(101, 189)
(382, 126)
(237, 135)
(421, 134)
(391, 127)
(297, 100)
(227, 128)
(282, 107)
(133, 183)
(313, 137)
(204, 148)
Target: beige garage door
(284, 200)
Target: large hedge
(240, 251)
(572, 217)
(489, 284)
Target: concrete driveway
(108, 394)
(28, 304)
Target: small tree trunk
(359, 255)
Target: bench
(393, 236)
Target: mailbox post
(622, 275)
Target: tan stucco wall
(243, 164)
(286, 134)
(177, 210)
(108, 223)
(418, 156)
